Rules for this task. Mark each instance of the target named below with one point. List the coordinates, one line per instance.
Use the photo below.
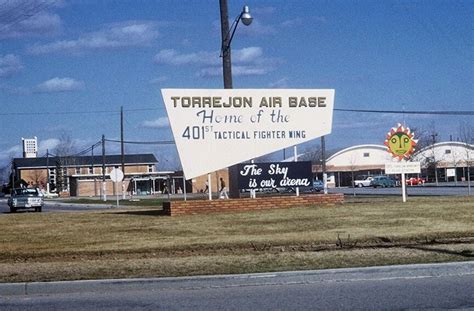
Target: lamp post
(227, 36)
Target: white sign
(217, 128)
(116, 175)
(450, 172)
(402, 168)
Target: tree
(427, 138)
(64, 151)
(466, 135)
(312, 153)
(4, 174)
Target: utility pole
(92, 165)
(13, 176)
(226, 59)
(227, 72)
(323, 162)
(104, 187)
(48, 186)
(122, 149)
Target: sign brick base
(193, 207)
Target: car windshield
(26, 191)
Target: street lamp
(227, 36)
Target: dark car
(318, 186)
(382, 181)
(26, 198)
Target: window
(366, 154)
(91, 170)
(150, 168)
(447, 151)
(78, 170)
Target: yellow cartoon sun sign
(400, 142)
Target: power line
(447, 112)
(26, 14)
(87, 150)
(74, 112)
(439, 112)
(162, 142)
(80, 153)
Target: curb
(415, 271)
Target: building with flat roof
(83, 175)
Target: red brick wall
(176, 208)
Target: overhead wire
(439, 112)
(432, 112)
(28, 13)
(74, 112)
(161, 142)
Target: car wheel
(12, 210)
(359, 185)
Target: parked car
(382, 181)
(26, 198)
(318, 186)
(362, 181)
(415, 181)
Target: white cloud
(172, 57)
(115, 36)
(250, 70)
(293, 22)
(248, 61)
(56, 85)
(268, 10)
(47, 144)
(29, 18)
(9, 65)
(247, 55)
(258, 29)
(280, 84)
(255, 29)
(12, 90)
(161, 122)
(158, 81)
(12, 152)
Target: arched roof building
(446, 155)
(371, 160)
(357, 158)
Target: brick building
(83, 175)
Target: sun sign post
(217, 128)
(401, 145)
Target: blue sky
(80, 60)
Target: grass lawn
(137, 241)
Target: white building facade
(446, 161)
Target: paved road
(54, 206)
(439, 286)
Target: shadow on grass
(154, 212)
(463, 253)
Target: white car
(363, 181)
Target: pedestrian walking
(223, 190)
